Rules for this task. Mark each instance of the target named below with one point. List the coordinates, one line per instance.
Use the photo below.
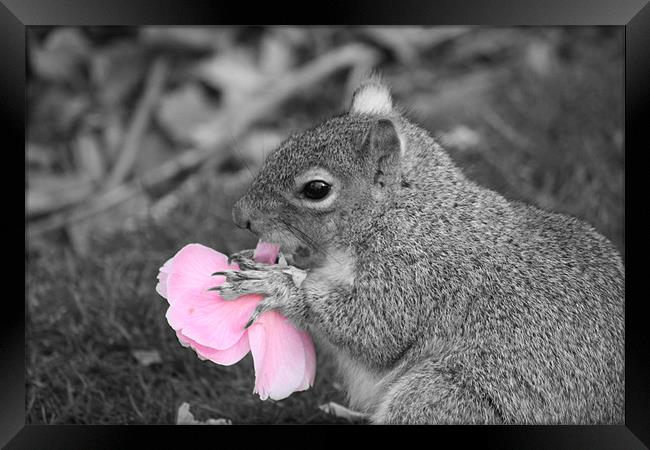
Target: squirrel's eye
(316, 189)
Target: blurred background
(139, 140)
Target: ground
(547, 132)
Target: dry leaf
(185, 417)
(295, 36)
(276, 54)
(460, 138)
(147, 357)
(115, 71)
(541, 58)
(56, 111)
(61, 56)
(48, 193)
(40, 156)
(89, 157)
(341, 411)
(233, 73)
(183, 111)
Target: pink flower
(283, 356)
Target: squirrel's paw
(277, 283)
(244, 259)
(242, 282)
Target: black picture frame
(633, 15)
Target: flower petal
(278, 356)
(225, 357)
(310, 361)
(283, 356)
(163, 275)
(257, 340)
(219, 325)
(190, 274)
(202, 315)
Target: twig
(95, 205)
(240, 118)
(140, 120)
(186, 39)
(135, 407)
(341, 411)
(407, 44)
(65, 193)
(456, 93)
(216, 132)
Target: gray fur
(462, 307)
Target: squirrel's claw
(229, 291)
(254, 316)
(244, 259)
(265, 305)
(233, 276)
(242, 282)
(225, 291)
(243, 254)
(229, 274)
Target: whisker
(290, 228)
(241, 156)
(301, 236)
(304, 237)
(264, 147)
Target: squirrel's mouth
(294, 251)
(300, 257)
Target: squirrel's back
(524, 305)
(519, 306)
(443, 301)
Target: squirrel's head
(310, 189)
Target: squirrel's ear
(382, 146)
(372, 97)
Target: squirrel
(441, 301)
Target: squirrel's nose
(241, 216)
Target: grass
(87, 315)
(551, 139)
